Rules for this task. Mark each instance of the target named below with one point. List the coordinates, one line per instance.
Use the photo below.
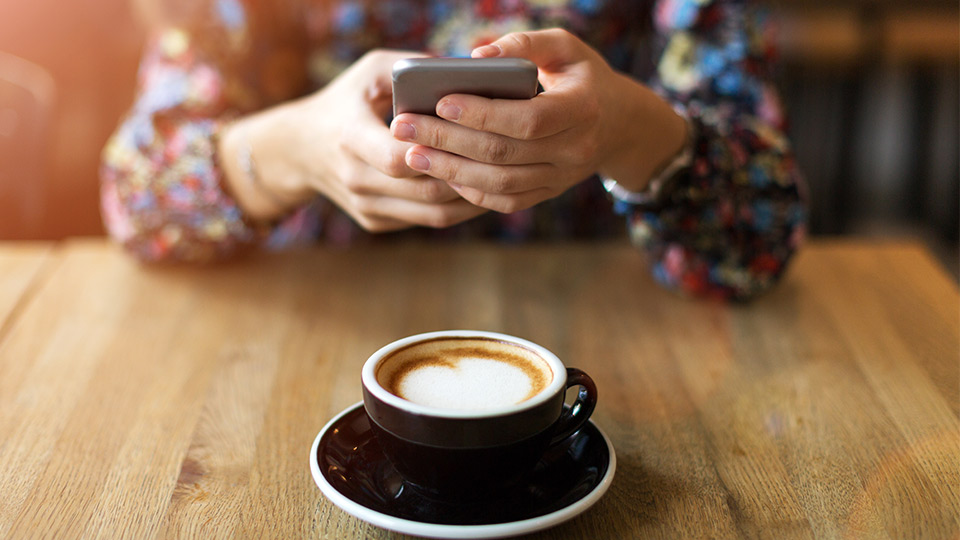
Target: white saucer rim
(437, 530)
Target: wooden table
(174, 401)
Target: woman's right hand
(336, 142)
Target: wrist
(649, 136)
(257, 169)
(653, 193)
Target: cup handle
(577, 414)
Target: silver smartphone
(419, 83)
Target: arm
(164, 193)
(730, 225)
(726, 228)
(214, 150)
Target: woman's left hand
(508, 155)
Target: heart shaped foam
(466, 384)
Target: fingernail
(418, 162)
(449, 111)
(486, 51)
(457, 187)
(405, 131)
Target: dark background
(872, 89)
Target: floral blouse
(725, 228)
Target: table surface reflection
(141, 401)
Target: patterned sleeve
(161, 188)
(728, 227)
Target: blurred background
(872, 88)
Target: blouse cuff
(167, 203)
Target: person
(259, 123)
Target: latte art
(465, 374)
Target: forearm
(165, 193)
(729, 223)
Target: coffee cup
(462, 414)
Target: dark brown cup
(453, 454)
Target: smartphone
(419, 83)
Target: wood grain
(21, 265)
(172, 401)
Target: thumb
(548, 49)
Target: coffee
(464, 373)
(463, 415)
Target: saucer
(351, 470)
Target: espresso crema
(464, 373)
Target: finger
(365, 180)
(379, 92)
(544, 115)
(437, 216)
(505, 204)
(370, 140)
(502, 179)
(376, 224)
(370, 223)
(470, 143)
(548, 49)
(560, 56)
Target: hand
(507, 155)
(337, 143)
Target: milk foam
(470, 384)
(464, 374)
